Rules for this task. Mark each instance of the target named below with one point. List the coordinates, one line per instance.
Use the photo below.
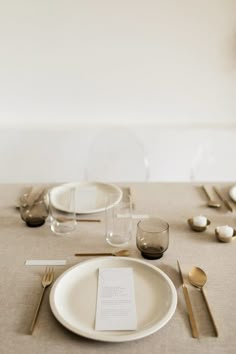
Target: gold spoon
(211, 203)
(198, 278)
(122, 253)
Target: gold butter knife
(121, 253)
(226, 203)
(192, 321)
(88, 220)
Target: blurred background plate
(91, 197)
(232, 193)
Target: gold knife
(88, 220)
(192, 321)
(226, 203)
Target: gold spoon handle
(226, 203)
(192, 321)
(37, 311)
(205, 191)
(210, 313)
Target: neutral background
(164, 68)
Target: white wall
(164, 68)
(71, 62)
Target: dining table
(173, 202)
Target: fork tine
(48, 275)
(45, 274)
(52, 274)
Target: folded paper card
(45, 262)
(116, 309)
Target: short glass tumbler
(152, 237)
(118, 222)
(63, 222)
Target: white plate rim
(231, 194)
(98, 184)
(99, 336)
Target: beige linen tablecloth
(20, 285)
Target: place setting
(112, 314)
(80, 201)
(77, 297)
(113, 284)
(102, 297)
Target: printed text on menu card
(116, 309)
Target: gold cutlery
(211, 203)
(226, 203)
(122, 253)
(63, 219)
(88, 220)
(198, 278)
(192, 321)
(47, 280)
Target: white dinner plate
(232, 193)
(91, 197)
(73, 298)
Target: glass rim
(153, 218)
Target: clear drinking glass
(62, 210)
(152, 237)
(118, 221)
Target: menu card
(116, 309)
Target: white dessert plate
(232, 193)
(91, 197)
(74, 294)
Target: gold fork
(47, 280)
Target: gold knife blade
(88, 220)
(226, 203)
(192, 321)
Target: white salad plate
(90, 197)
(74, 294)
(232, 193)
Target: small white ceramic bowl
(196, 227)
(223, 238)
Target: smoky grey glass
(152, 237)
